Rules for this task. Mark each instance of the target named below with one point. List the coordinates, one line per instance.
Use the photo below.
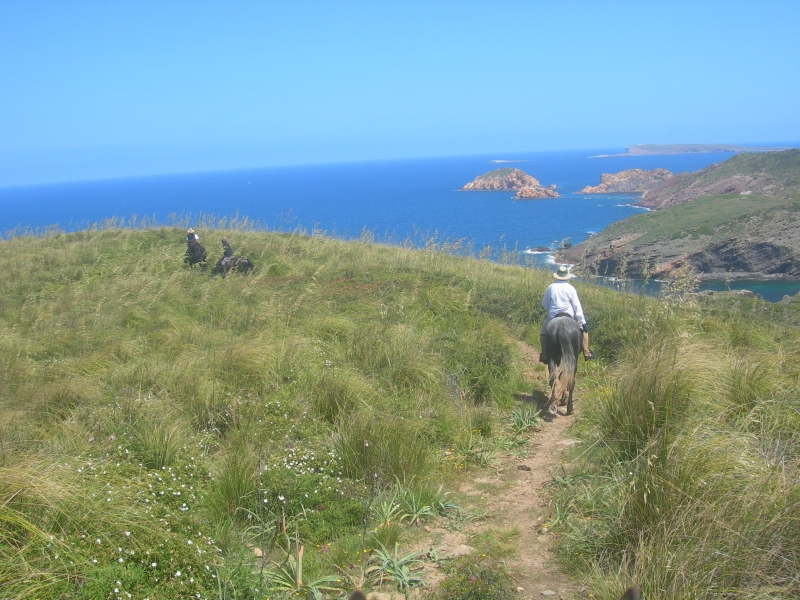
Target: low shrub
(475, 578)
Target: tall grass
(691, 486)
(155, 422)
(182, 414)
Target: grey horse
(563, 335)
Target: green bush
(475, 578)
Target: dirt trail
(512, 495)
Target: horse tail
(562, 379)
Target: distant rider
(227, 252)
(562, 297)
(191, 236)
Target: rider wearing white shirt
(561, 297)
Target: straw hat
(562, 273)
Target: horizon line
(782, 147)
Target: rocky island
(533, 193)
(508, 179)
(628, 181)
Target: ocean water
(393, 200)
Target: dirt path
(513, 497)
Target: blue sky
(110, 89)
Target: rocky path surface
(512, 495)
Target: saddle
(563, 314)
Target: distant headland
(508, 179)
(739, 219)
(660, 149)
(628, 181)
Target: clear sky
(111, 88)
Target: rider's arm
(576, 306)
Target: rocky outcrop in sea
(508, 179)
(534, 193)
(628, 181)
(501, 180)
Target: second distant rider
(227, 252)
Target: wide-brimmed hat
(562, 273)
(190, 230)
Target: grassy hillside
(782, 166)
(689, 478)
(156, 420)
(715, 217)
(771, 174)
(160, 428)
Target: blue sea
(416, 200)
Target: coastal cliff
(737, 219)
(630, 180)
(508, 179)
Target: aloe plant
(397, 568)
(288, 577)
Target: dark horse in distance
(237, 264)
(195, 254)
(563, 346)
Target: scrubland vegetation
(167, 434)
(687, 480)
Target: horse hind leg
(553, 402)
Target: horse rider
(227, 252)
(191, 236)
(562, 297)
